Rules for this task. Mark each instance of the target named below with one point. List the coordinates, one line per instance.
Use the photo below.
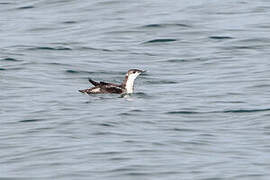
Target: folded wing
(93, 82)
(103, 87)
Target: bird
(127, 86)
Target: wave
(225, 111)
(10, 59)
(166, 25)
(160, 40)
(26, 7)
(60, 48)
(30, 120)
(220, 37)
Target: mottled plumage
(103, 87)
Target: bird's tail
(83, 91)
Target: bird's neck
(128, 84)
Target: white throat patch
(130, 82)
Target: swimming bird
(127, 87)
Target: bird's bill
(141, 71)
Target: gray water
(201, 111)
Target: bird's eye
(134, 72)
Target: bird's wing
(109, 84)
(93, 82)
(109, 88)
(93, 90)
(103, 87)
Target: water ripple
(220, 37)
(160, 41)
(69, 22)
(26, 7)
(161, 82)
(225, 111)
(9, 59)
(51, 48)
(30, 120)
(165, 25)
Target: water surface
(200, 112)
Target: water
(200, 112)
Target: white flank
(95, 90)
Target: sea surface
(200, 112)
